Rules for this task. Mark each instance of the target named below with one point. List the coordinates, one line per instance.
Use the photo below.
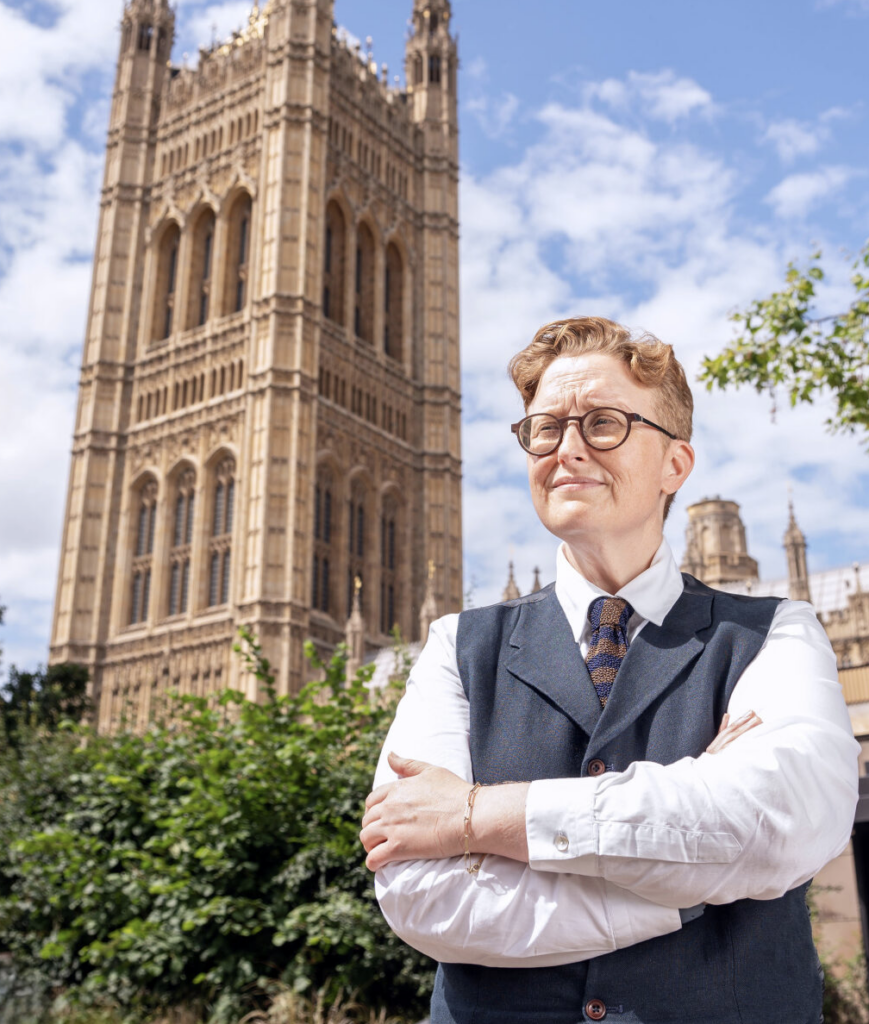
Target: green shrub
(183, 866)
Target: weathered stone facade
(269, 396)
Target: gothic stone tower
(269, 396)
(716, 551)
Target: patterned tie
(609, 642)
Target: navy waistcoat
(535, 715)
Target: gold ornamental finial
(431, 569)
(357, 583)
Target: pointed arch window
(324, 533)
(393, 301)
(418, 69)
(199, 303)
(389, 577)
(220, 543)
(167, 278)
(434, 69)
(238, 253)
(182, 544)
(364, 313)
(143, 551)
(333, 264)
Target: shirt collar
(651, 594)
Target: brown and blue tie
(609, 642)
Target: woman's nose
(573, 444)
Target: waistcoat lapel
(656, 657)
(544, 655)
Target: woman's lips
(581, 482)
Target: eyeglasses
(602, 429)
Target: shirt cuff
(560, 826)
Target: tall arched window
(146, 521)
(167, 277)
(220, 544)
(389, 589)
(434, 69)
(182, 544)
(333, 264)
(238, 255)
(357, 544)
(364, 313)
(199, 303)
(393, 302)
(322, 584)
(417, 69)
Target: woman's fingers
(731, 731)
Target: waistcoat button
(596, 767)
(595, 1009)
(561, 842)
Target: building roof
(829, 589)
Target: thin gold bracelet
(472, 869)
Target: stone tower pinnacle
(431, 63)
(511, 591)
(795, 549)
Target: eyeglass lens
(541, 433)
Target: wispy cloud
(795, 138)
(661, 95)
(854, 7)
(494, 115)
(798, 194)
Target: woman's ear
(677, 466)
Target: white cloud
(43, 66)
(793, 138)
(216, 22)
(661, 95)
(495, 116)
(798, 193)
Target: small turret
(537, 585)
(795, 549)
(511, 591)
(355, 633)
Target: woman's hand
(731, 731)
(418, 817)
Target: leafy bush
(220, 848)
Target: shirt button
(595, 1009)
(561, 842)
(596, 767)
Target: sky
(659, 164)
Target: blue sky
(657, 163)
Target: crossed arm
(753, 817)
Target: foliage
(780, 344)
(182, 866)
(42, 699)
(846, 997)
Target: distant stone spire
(355, 633)
(795, 549)
(536, 586)
(511, 591)
(429, 611)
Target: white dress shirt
(755, 820)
